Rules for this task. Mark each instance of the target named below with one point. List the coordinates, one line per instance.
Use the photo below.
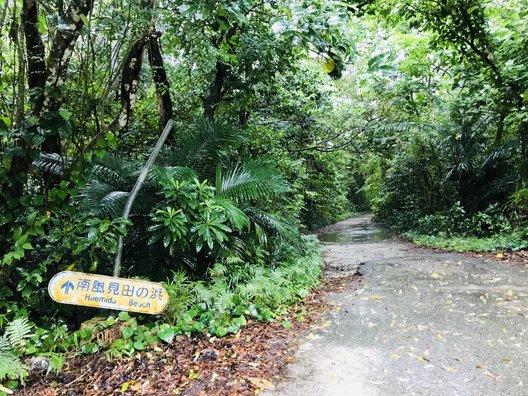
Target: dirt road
(420, 323)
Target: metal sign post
(135, 191)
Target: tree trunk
(216, 91)
(42, 79)
(58, 60)
(36, 69)
(21, 78)
(243, 116)
(162, 84)
(500, 127)
(130, 82)
(217, 88)
(3, 15)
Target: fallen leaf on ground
(374, 297)
(261, 383)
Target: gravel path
(420, 323)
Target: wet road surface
(419, 323)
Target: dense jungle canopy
(287, 116)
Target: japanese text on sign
(101, 291)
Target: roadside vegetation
(85, 89)
(439, 91)
(287, 117)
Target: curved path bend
(420, 323)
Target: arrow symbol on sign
(67, 286)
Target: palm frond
(112, 179)
(203, 146)
(397, 128)
(499, 153)
(116, 171)
(249, 180)
(52, 163)
(152, 260)
(159, 173)
(482, 122)
(499, 187)
(103, 200)
(272, 224)
(233, 251)
(235, 216)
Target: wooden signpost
(108, 292)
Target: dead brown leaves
(517, 258)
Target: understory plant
(243, 291)
(202, 204)
(12, 346)
(222, 304)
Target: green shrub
(413, 186)
(514, 241)
(491, 221)
(450, 222)
(325, 189)
(237, 292)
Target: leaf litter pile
(243, 364)
(519, 257)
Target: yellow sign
(101, 291)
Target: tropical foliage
(287, 116)
(442, 87)
(85, 89)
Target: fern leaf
(17, 331)
(5, 345)
(11, 366)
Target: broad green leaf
(166, 333)
(65, 114)
(127, 332)
(7, 121)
